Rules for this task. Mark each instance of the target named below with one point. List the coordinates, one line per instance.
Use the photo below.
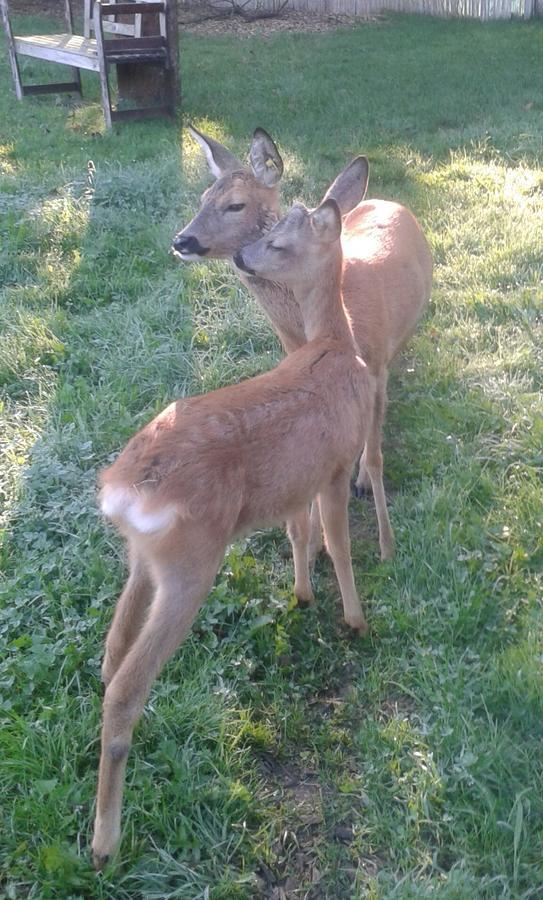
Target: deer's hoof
(104, 845)
(305, 598)
(100, 861)
(359, 627)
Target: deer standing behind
(386, 280)
(212, 467)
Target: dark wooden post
(145, 85)
(173, 29)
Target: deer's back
(259, 449)
(387, 277)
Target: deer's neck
(281, 308)
(322, 308)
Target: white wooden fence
(475, 9)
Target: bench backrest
(109, 23)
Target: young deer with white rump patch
(212, 467)
(386, 279)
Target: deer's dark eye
(235, 207)
(277, 249)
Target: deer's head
(240, 206)
(297, 247)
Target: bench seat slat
(69, 49)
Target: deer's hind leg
(183, 579)
(129, 616)
(371, 469)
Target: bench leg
(106, 97)
(77, 80)
(19, 91)
(11, 52)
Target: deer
(386, 283)
(213, 467)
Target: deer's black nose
(189, 245)
(239, 262)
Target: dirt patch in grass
(197, 22)
(302, 857)
(316, 837)
(294, 870)
(399, 707)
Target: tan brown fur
(212, 467)
(388, 265)
(260, 213)
(386, 281)
(232, 439)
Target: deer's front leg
(334, 501)
(298, 529)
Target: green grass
(274, 750)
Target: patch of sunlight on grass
(57, 225)
(57, 270)
(29, 354)
(519, 669)
(28, 342)
(412, 767)
(87, 119)
(20, 428)
(58, 216)
(7, 166)
(496, 244)
(523, 186)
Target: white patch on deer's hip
(123, 503)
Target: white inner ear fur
(214, 168)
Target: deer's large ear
(326, 221)
(350, 187)
(219, 159)
(266, 161)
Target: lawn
(276, 753)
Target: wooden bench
(97, 54)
